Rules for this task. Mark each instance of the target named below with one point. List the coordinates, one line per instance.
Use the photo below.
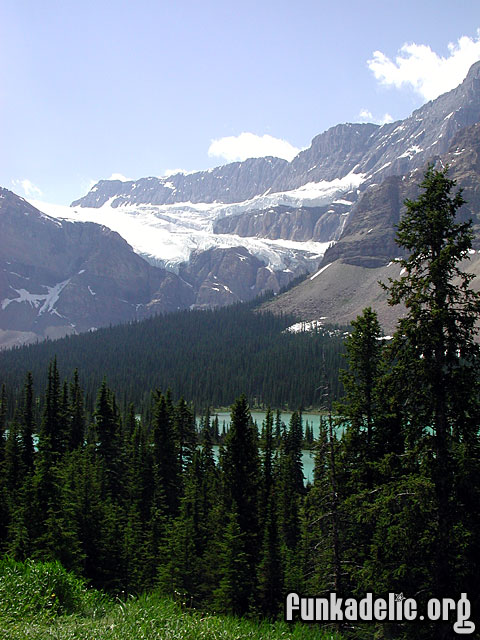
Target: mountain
(234, 182)
(59, 277)
(214, 237)
(347, 280)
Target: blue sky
(94, 88)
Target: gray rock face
(332, 154)
(287, 223)
(347, 281)
(369, 149)
(369, 236)
(225, 276)
(64, 277)
(377, 153)
(233, 182)
(392, 149)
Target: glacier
(166, 235)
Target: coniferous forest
(137, 501)
(209, 357)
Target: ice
(302, 327)
(321, 271)
(166, 235)
(46, 300)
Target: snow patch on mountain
(166, 235)
(46, 300)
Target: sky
(97, 89)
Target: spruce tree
(3, 420)
(51, 436)
(435, 353)
(185, 433)
(360, 406)
(234, 594)
(76, 434)
(28, 424)
(241, 472)
(270, 569)
(109, 439)
(166, 452)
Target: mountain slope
(347, 280)
(63, 277)
(261, 200)
(219, 236)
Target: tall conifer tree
(435, 353)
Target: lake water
(313, 420)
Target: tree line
(140, 503)
(207, 356)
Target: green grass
(42, 601)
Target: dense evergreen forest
(209, 357)
(138, 504)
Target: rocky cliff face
(347, 280)
(374, 151)
(233, 182)
(225, 276)
(287, 223)
(271, 198)
(63, 277)
(240, 229)
(392, 149)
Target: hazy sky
(89, 89)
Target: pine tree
(3, 420)
(270, 570)
(14, 468)
(360, 405)
(184, 427)
(109, 439)
(267, 462)
(28, 424)
(324, 527)
(51, 436)
(241, 472)
(76, 433)
(165, 453)
(291, 479)
(235, 592)
(434, 349)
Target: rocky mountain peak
(234, 182)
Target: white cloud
(367, 116)
(387, 118)
(173, 172)
(249, 145)
(420, 68)
(29, 189)
(119, 176)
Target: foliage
(152, 617)
(208, 357)
(136, 503)
(44, 589)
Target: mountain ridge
(224, 235)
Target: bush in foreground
(42, 601)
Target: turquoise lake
(313, 420)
